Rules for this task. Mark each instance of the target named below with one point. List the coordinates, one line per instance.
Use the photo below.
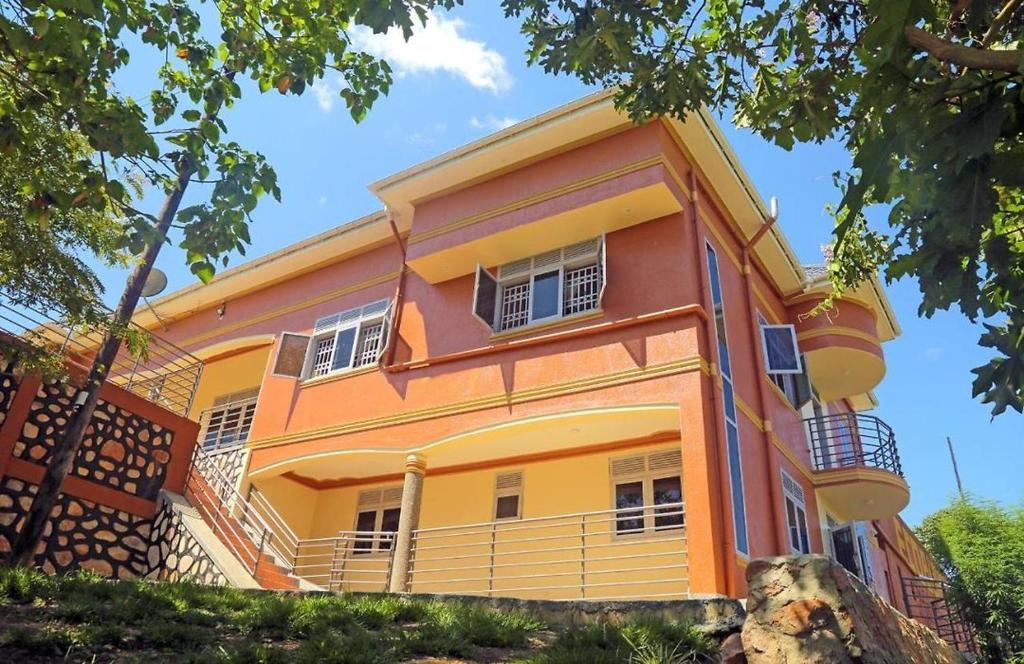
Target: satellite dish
(155, 284)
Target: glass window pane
(668, 491)
(739, 509)
(507, 507)
(388, 525)
(365, 523)
(545, 295)
(343, 349)
(630, 494)
(801, 524)
(780, 348)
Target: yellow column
(408, 521)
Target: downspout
(774, 470)
(396, 319)
(728, 545)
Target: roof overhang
(579, 122)
(315, 252)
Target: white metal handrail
(231, 514)
(335, 564)
(538, 556)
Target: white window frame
(245, 402)
(358, 319)
(649, 510)
(513, 487)
(390, 498)
(793, 492)
(764, 349)
(566, 262)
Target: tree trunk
(24, 547)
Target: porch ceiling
(534, 436)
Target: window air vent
(665, 460)
(627, 466)
(546, 260)
(369, 498)
(582, 249)
(512, 269)
(509, 480)
(392, 495)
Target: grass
(81, 617)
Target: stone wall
(107, 514)
(809, 609)
(81, 534)
(175, 554)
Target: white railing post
(408, 520)
(490, 565)
(583, 556)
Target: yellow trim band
(839, 331)
(298, 306)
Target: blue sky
(465, 76)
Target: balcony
(857, 465)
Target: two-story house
(571, 359)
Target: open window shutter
(802, 383)
(485, 297)
(781, 352)
(291, 356)
(602, 264)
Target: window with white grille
(350, 339)
(227, 423)
(796, 514)
(556, 284)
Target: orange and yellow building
(571, 359)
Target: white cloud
(492, 123)
(326, 92)
(322, 200)
(438, 45)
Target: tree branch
(953, 53)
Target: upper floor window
(350, 339)
(556, 284)
(227, 423)
(784, 364)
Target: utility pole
(956, 469)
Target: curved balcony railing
(852, 440)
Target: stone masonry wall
(175, 555)
(808, 609)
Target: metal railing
(166, 375)
(928, 601)
(235, 521)
(350, 560)
(586, 555)
(848, 440)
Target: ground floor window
(796, 514)
(508, 495)
(850, 548)
(377, 515)
(647, 491)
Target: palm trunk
(63, 456)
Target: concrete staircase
(238, 527)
